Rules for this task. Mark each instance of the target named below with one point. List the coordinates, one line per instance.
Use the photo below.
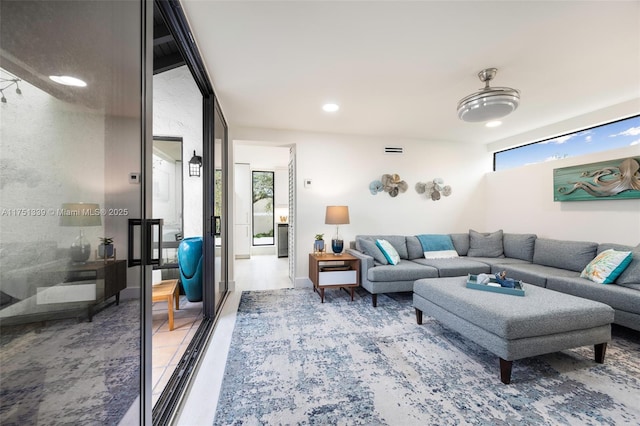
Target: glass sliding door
(72, 136)
(263, 225)
(219, 209)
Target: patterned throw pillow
(370, 248)
(606, 266)
(389, 252)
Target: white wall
(521, 200)
(341, 168)
(51, 153)
(177, 111)
(54, 152)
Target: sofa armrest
(366, 262)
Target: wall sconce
(194, 165)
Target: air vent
(393, 150)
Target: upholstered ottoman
(515, 327)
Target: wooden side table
(167, 290)
(328, 270)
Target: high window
(617, 134)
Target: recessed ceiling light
(68, 81)
(495, 123)
(330, 107)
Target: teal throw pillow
(437, 246)
(389, 252)
(607, 266)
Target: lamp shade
(80, 214)
(337, 215)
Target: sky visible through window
(602, 138)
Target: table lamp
(337, 215)
(81, 215)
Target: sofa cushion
(607, 266)
(532, 273)
(618, 297)
(461, 243)
(456, 267)
(631, 275)
(485, 244)
(399, 242)
(571, 255)
(519, 246)
(389, 252)
(404, 271)
(414, 248)
(371, 249)
(437, 246)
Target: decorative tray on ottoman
(472, 282)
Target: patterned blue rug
(294, 360)
(71, 373)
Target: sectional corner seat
(543, 262)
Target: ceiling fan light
(490, 103)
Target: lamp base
(80, 249)
(337, 246)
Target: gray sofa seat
(616, 296)
(455, 267)
(532, 273)
(494, 261)
(406, 270)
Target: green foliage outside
(263, 189)
(264, 234)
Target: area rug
(294, 360)
(71, 373)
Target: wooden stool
(167, 290)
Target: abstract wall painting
(611, 180)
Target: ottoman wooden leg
(418, 316)
(600, 350)
(505, 371)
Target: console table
(110, 276)
(328, 270)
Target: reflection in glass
(70, 342)
(167, 195)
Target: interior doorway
(262, 202)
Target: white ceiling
(398, 68)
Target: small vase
(105, 251)
(318, 246)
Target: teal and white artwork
(614, 179)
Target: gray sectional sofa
(549, 263)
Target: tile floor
(168, 346)
(258, 273)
